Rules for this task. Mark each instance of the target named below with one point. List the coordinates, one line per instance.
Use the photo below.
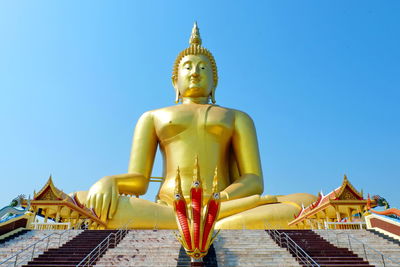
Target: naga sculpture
(195, 220)
(11, 210)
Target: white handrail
(97, 252)
(34, 247)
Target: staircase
(21, 231)
(375, 244)
(22, 241)
(231, 248)
(250, 248)
(389, 238)
(145, 248)
(323, 252)
(72, 252)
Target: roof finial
(368, 207)
(195, 38)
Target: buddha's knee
(298, 198)
(267, 216)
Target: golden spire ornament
(178, 186)
(195, 38)
(196, 173)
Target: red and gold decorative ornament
(196, 221)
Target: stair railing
(284, 240)
(100, 249)
(28, 253)
(353, 242)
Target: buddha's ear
(177, 93)
(177, 96)
(173, 79)
(212, 95)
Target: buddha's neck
(195, 100)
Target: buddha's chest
(197, 123)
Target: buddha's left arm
(245, 147)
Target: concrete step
(373, 243)
(232, 248)
(11, 247)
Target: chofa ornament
(195, 220)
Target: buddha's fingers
(99, 203)
(106, 205)
(91, 202)
(114, 202)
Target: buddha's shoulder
(238, 114)
(155, 113)
(161, 111)
(213, 108)
(181, 107)
(234, 112)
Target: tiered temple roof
(52, 203)
(343, 202)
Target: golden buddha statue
(219, 137)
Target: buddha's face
(195, 76)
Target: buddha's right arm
(144, 147)
(143, 152)
(103, 195)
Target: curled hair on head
(195, 48)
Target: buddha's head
(195, 71)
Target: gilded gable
(347, 194)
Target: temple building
(342, 208)
(65, 210)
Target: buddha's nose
(195, 71)
(195, 74)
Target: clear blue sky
(321, 80)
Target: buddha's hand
(103, 197)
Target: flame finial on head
(195, 38)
